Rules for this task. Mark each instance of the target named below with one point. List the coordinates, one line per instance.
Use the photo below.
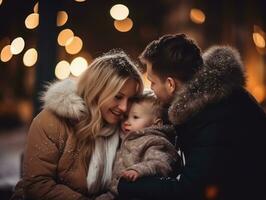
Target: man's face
(160, 87)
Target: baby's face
(140, 116)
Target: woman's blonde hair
(103, 79)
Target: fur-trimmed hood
(61, 98)
(221, 73)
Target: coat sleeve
(159, 158)
(41, 159)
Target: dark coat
(222, 134)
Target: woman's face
(113, 110)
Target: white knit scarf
(101, 163)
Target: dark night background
(227, 22)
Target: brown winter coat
(52, 168)
(148, 152)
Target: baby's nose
(126, 123)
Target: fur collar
(61, 98)
(221, 73)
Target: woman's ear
(158, 122)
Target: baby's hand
(130, 175)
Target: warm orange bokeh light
(62, 18)
(123, 25)
(32, 21)
(64, 36)
(36, 8)
(30, 57)
(74, 46)
(211, 192)
(6, 54)
(78, 66)
(25, 110)
(197, 16)
(259, 40)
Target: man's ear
(158, 122)
(170, 85)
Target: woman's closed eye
(118, 97)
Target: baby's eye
(135, 117)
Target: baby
(145, 148)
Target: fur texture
(221, 73)
(61, 98)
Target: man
(220, 127)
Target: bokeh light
(74, 46)
(259, 92)
(62, 70)
(211, 192)
(32, 21)
(30, 57)
(62, 18)
(6, 54)
(17, 45)
(197, 16)
(78, 66)
(64, 36)
(259, 40)
(1, 1)
(80, 0)
(36, 8)
(123, 25)
(25, 110)
(119, 12)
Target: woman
(72, 143)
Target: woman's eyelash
(118, 97)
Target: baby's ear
(158, 122)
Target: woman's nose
(123, 106)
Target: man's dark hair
(174, 56)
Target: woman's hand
(130, 175)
